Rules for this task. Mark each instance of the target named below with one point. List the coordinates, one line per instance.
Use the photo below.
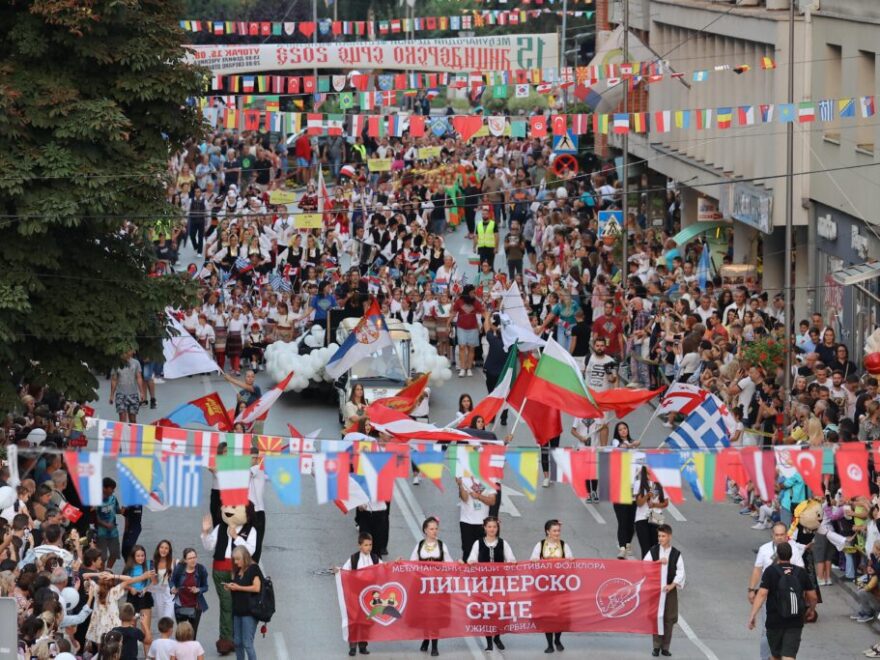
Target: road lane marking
(675, 513)
(594, 511)
(280, 646)
(691, 635)
(507, 505)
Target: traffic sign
(610, 222)
(565, 144)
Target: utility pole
(625, 233)
(562, 61)
(315, 36)
(789, 203)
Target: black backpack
(790, 602)
(263, 603)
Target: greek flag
(826, 110)
(704, 428)
(242, 262)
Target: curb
(850, 589)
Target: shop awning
(856, 274)
(690, 232)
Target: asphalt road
(303, 543)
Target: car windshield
(385, 364)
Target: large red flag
(852, 467)
(730, 464)
(809, 463)
(623, 400)
(760, 465)
(407, 398)
(543, 420)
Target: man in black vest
(789, 595)
(672, 578)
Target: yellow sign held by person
(308, 221)
(282, 197)
(379, 164)
(426, 153)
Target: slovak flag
(666, 468)
(87, 470)
(369, 336)
(331, 476)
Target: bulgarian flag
(260, 408)
(559, 384)
(492, 404)
(233, 476)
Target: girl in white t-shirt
(187, 647)
(650, 502)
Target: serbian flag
(623, 400)
(407, 398)
(260, 408)
(331, 476)
(233, 477)
(379, 469)
(489, 407)
(206, 411)
(87, 470)
(371, 335)
(403, 427)
(666, 468)
(852, 466)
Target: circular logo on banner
(854, 472)
(439, 126)
(383, 603)
(539, 126)
(618, 597)
(497, 125)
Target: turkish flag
(809, 463)
(543, 420)
(852, 466)
(559, 124)
(539, 126)
(760, 465)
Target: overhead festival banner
(500, 53)
(413, 600)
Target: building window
(831, 89)
(865, 83)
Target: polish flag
(261, 406)
(403, 427)
(491, 405)
(760, 465)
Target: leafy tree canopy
(93, 100)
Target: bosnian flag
(666, 468)
(489, 407)
(87, 470)
(760, 466)
(403, 427)
(259, 408)
(369, 336)
(331, 476)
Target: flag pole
(647, 424)
(518, 415)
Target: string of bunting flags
(469, 21)
(470, 126)
(162, 467)
(633, 72)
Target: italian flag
(233, 475)
(559, 384)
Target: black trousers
(646, 533)
(376, 524)
(552, 443)
(196, 230)
(194, 621)
(260, 526)
(626, 520)
(491, 382)
(487, 254)
(470, 218)
(470, 534)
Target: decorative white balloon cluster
(284, 357)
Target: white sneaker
(461, 373)
(759, 525)
(416, 480)
(546, 483)
(621, 553)
(158, 380)
(470, 373)
(629, 552)
(667, 425)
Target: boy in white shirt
(163, 648)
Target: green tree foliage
(92, 104)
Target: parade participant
(363, 558)
(235, 340)
(235, 529)
(127, 388)
(246, 581)
(164, 564)
(600, 376)
(256, 495)
(139, 596)
(625, 513)
(491, 548)
(473, 504)
(430, 548)
(789, 596)
(672, 578)
(552, 547)
(356, 406)
(108, 589)
(486, 240)
(465, 313)
(189, 584)
(495, 357)
(374, 518)
(650, 502)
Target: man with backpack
(789, 595)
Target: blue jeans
(243, 630)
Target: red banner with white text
(419, 600)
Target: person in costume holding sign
(363, 558)
(491, 549)
(431, 548)
(552, 547)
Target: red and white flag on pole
(681, 398)
(403, 427)
(261, 406)
(489, 407)
(760, 465)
